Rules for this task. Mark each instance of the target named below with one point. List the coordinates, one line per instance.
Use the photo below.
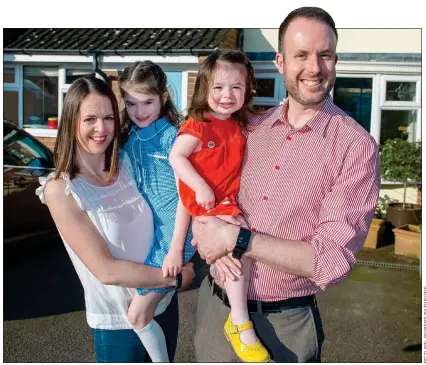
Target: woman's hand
(172, 264)
(187, 275)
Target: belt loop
(211, 287)
(259, 306)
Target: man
(309, 186)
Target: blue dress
(149, 149)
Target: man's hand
(172, 264)
(213, 237)
(187, 275)
(227, 268)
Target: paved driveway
(372, 316)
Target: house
(378, 73)
(41, 64)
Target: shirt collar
(317, 124)
(150, 130)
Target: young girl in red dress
(207, 157)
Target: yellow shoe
(255, 352)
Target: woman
(105, 223)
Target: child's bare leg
(142, 308)
(237, 293)
(140, 314)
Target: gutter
(117, 52)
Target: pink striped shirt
(318, 184)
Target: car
(25, 159)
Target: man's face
(308, 62)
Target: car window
(22, 150)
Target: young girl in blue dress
(150, 122)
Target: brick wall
(49, 142)
(191, 84)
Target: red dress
(218, 162)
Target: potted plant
(401, 161)
(407, 240)
(377, 228)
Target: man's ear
(279, 59)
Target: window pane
(72, 75)
(265, 88)
(9, 75)
(10, 106)
(398, 124)
(353, 96)
(400, 91)
(40, 96)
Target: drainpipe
(240, 39)
(96, 68)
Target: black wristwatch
(178, 281)
(242, 243)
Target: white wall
(350, 40)
(396, 192)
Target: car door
(24, 160)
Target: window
(267, 89)
(72, 75)
(400, 91)
(40, 96)
(10, 106)
(354, 95)
(400, 108)
(9, 75)
(398, 124)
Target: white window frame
(269, 100)
(401, 104)
(18, 87)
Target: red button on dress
(265, 198)
(277, 167)
(288, 138)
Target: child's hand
(172, 264)
(205, 197)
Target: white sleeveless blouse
(124, 219)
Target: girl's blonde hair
(148, 78)
(199, 104)
(66, 140)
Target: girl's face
(143, 109)
(227, 90)
(95, 126)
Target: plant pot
(399, 217)
(407, 240)
(375, 233)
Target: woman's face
(95, 125)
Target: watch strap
(242, 243)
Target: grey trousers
(293, 335)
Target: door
(174, 85)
